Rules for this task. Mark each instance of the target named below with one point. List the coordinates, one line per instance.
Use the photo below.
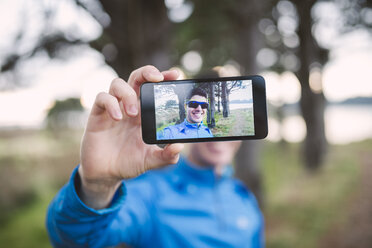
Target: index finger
(147, 73)
(171, 74)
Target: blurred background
(311, 175)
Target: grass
(26, 228)
(223, 125)
(238, 123)
(33, 166)
(299, 206)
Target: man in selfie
(192, 126)
(195, 203)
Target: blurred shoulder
(243, 191)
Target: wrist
(96, 181)
(94, 192)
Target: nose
(199, 108)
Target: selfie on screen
(204, 110)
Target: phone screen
(197, 110)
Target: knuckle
(149, 67)
(117, 80)
(104, 98)
(100, 95)
(124, 91)
(133, 74)
(117, 83)
(130, 92)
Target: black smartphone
(197, 110)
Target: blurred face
(213, 153)
(195, 114)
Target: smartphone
(197, 110)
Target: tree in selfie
(226, 89)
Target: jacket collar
(192, 125)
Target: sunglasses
(195, 104)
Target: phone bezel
(148, 123)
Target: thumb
(171, 152)
(168, 155)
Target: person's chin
(197, 120)
(216, 160)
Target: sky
(347, 74)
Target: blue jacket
(179, 206)
(185, 130)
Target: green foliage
(171, 104)
(27, 228)
(70, 104)
(208, 31)
(65, 114)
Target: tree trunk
(210, 116)
(139, 30)
(247, 168)
(219, 97)
(225, 112)
(228, 103)
(181, 92)
(249, 42)
(182, 111)
(312, 103)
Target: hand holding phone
(218, 109)
(112, 148)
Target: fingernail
(156, 75)
(118, 114)
(132, 109)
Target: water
(240, 105)
(343, 123)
